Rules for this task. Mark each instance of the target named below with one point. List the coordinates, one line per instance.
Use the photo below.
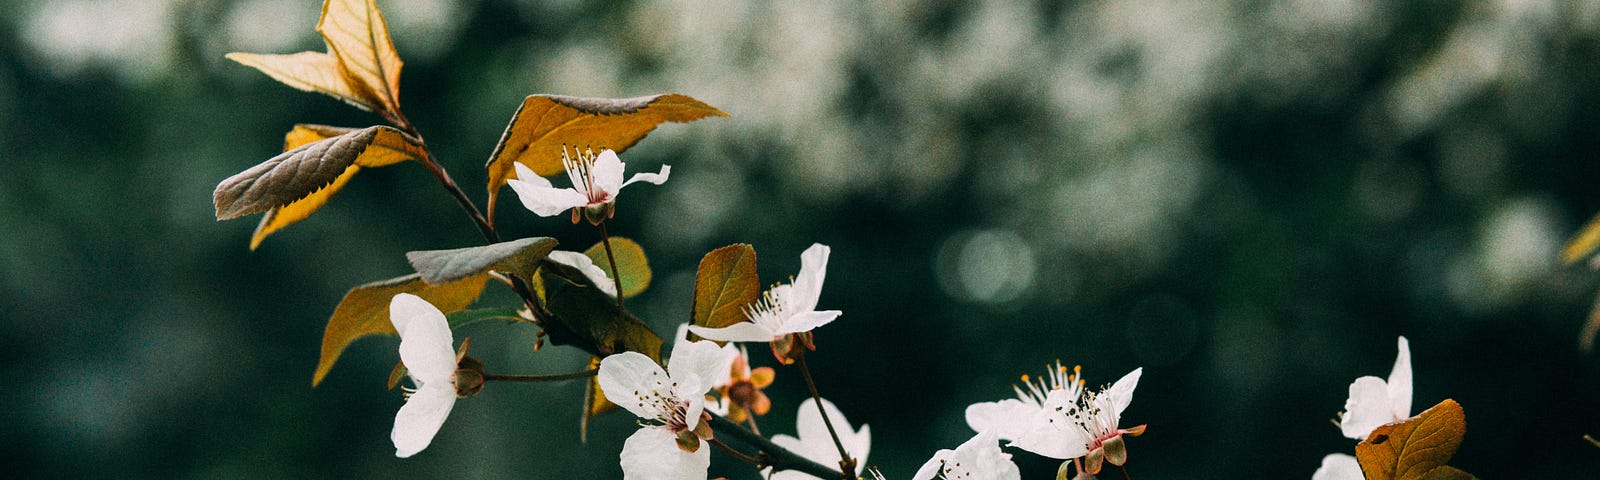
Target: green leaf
(632, 265)
(725, 284)
(518, 257)
(1415, 449)
(301, 171)
(587, 318)
(544, 123)
(364, 311)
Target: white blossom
(1374, 402)
(425, 349)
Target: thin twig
(484, 225)
(847, 464)
(616, 278)
(741, 456)
(541, 378)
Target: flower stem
(541, 378)
(772, 455)
(751, 419)
(741, 456)
(846, 464)
(1124, 470)
(616, 278)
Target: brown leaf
(387, 148)
(544, 123)
(365, 311)
(359, 37)
(1415, 449)
(725, 284)
(361, 66)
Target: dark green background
(1249, 199)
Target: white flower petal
(696, 405)
(607, 172)
(930, 469)
(738, 332)
(808, 284)
(794, 445)
(1121, 393)
(655, 178)
(979, 458)
(546, 201)
(1050, 433)
(425, 342)
(814, 434)
(1400, 381)
(1367, 408)
(420, 418)
(629, 377)
(526, 175)
(1338, 466)
(806, 321)
(1007, 419)
(595, 274)
(653, 454)
(703, 362)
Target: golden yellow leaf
(1584, 243)
(546, 122)
(359, 37)
(1415, 449)
(365, 311)
(361, 66)
(306, 71)
(632, 264)
(387, 147)
(594, 401)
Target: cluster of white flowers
(1054, 416)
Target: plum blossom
(786, 314)
(596, 182)
(671, 403)
(1010, 419)
(1084, 426)
(979, 458)
(425, 349)
(817, 445)
(1374, 402)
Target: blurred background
(1249, 199)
